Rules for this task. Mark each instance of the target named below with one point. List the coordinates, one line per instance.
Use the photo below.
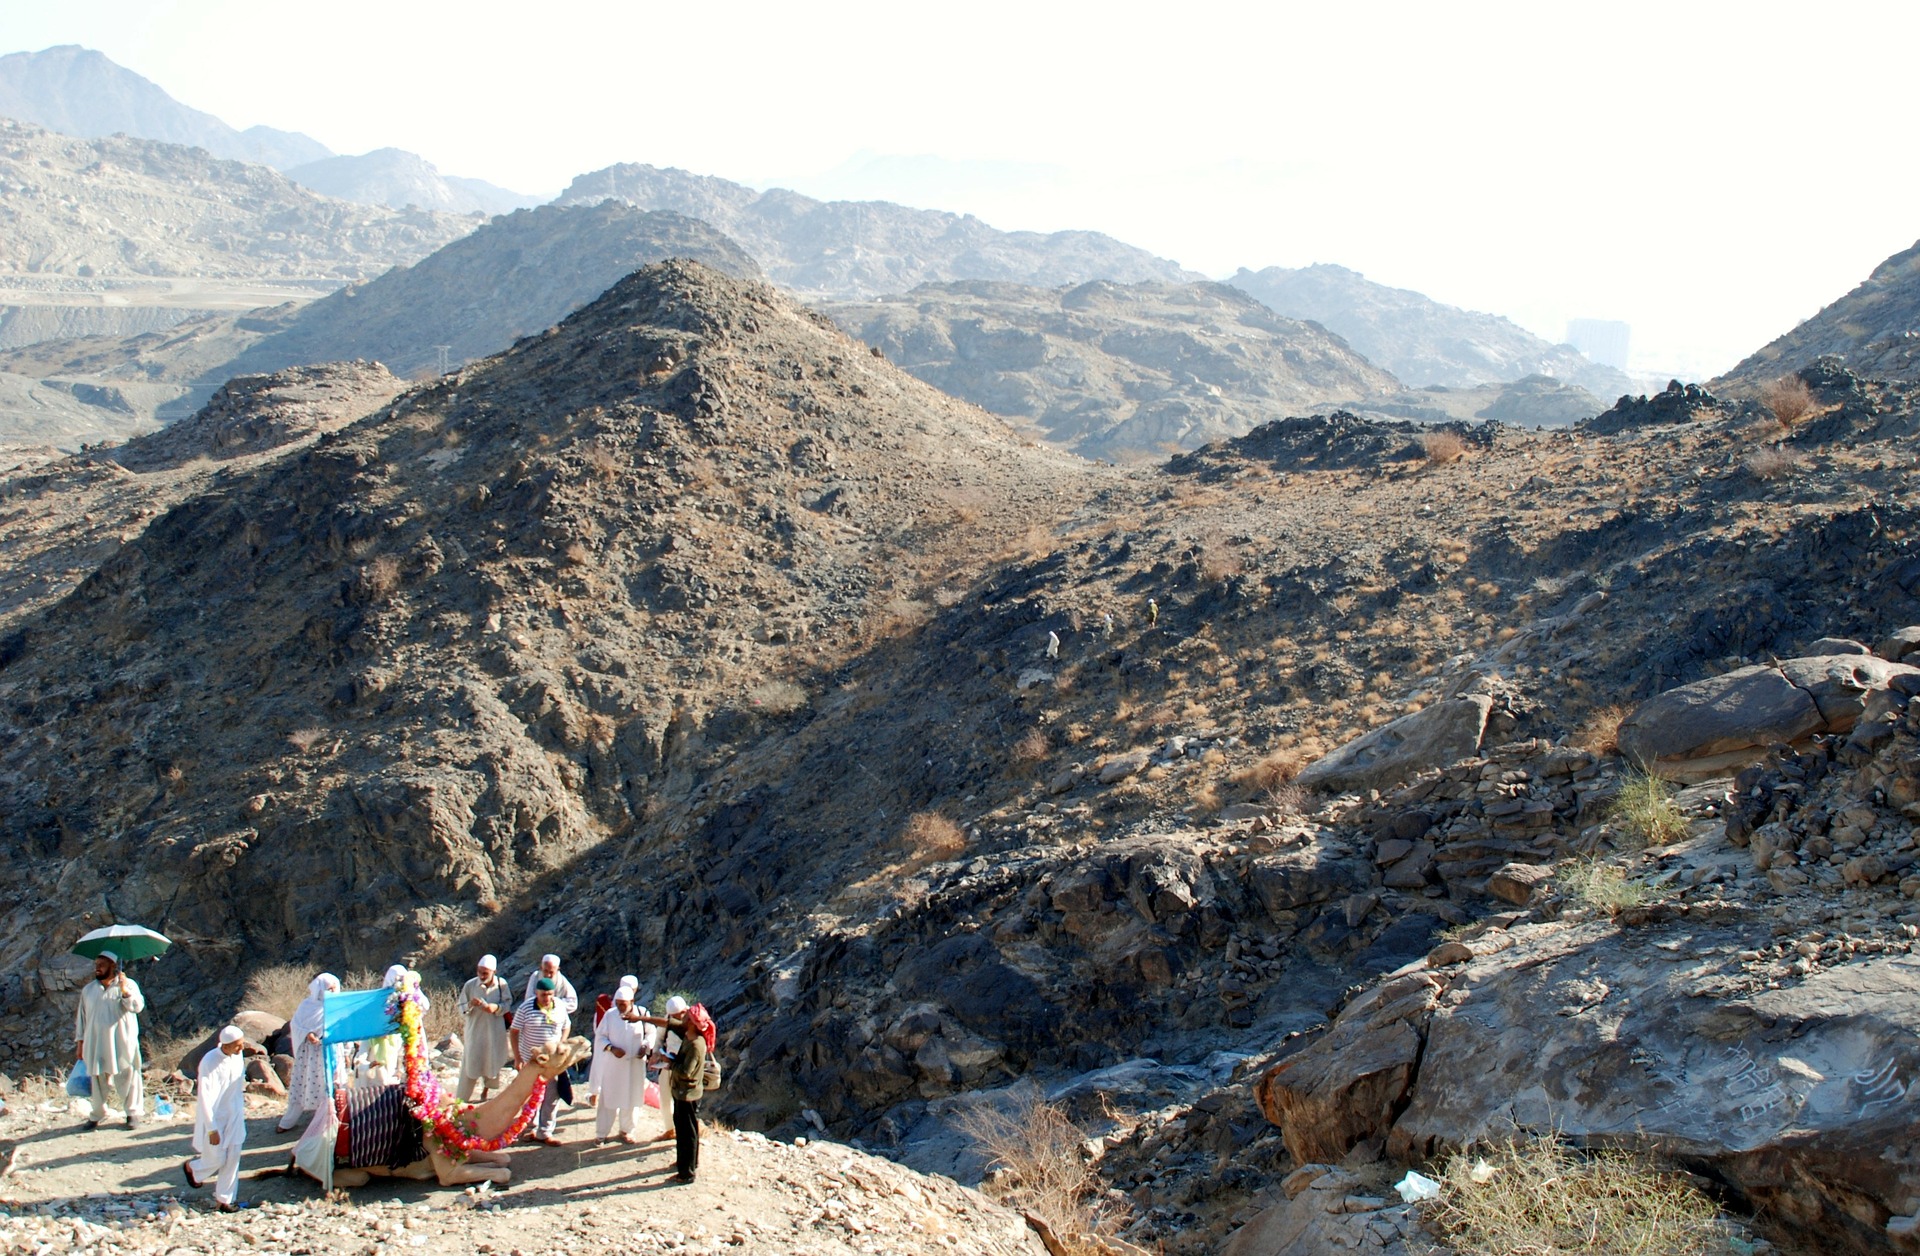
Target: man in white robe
(562, 988)
(106, 1038)
(220, 1120)
(486, 1001)
(311, 1085)
(621, 1046)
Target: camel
(316, 1156)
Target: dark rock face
(1107, 368)
(1677, 403)
(1420, 340)
(848, 251)
(255, 413)
(1326, 442)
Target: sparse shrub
(1599, 733)
(276, 989)
(1442, 447)
(778, 697)
(1771, 463)
(305, 739)
(600, 462)
(1038, 1166)
(1031, 748)
(1602, 886)
(930, 837)
(1789, 398)
(577, 554)
(1644, 809)
(599, 729)
(1535, 1197)
(1215, 557)
(1288, 799)
(379, 580)
(1276, 768)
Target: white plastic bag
(1416, 1187)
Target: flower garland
(448, 1121)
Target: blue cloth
(356, 1015)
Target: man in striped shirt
(539, 1023)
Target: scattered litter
(1416, 1187)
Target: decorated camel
(415, 1129)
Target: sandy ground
(120, 1190)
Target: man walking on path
(106, 1038)
(486, 1001)
(220, 1120)
(538, 1024)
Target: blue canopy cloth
(351, 1016)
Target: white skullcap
(676, 1005)
(550, 959)
(109, 955)
(488, 961)
(230, 1034)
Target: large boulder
(1714, 726)
(1330, 1209)
(1434, 736)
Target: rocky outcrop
(256, 413)
(1715, 726)
(397, 178)
(1330, 442)
(1874, 329)
(1431, 737)
(1327, 1209)
(1677, 403)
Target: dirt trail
(120, 1190)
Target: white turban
(488, 962)
(630, 980)
(676, 1005)
(230, 1034)
(395, 973)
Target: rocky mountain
(77, 91)
(1419, 339)
(850, 250)
(514, 276)
(694, 640)
(1874, 330)
(1110, 369)
(397, 178)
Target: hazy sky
(1710, 173)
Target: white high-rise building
(1603, 340)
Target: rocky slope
(695, 641)
(1419, 339)
(397, 178)
(1874, 330)
(850, 250)
(1114, 369)
(77, 91)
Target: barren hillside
(1874, 330)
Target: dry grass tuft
(1789, 398)
(1038, 1167)
(930, 837)
(1275, 769)
(1442, 447)
(1031, 748)
(1288, 799)
(600, 462)
(1599, 733)
(1771, 463)
(1603, 887)
(276, 989)
(778, 697)
(1538, 1198)
(305, 739)
(1644, 809)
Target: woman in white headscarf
(310, 1087)
(383, 1054)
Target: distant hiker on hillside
(106, 1038)
(1053, 645)
(685, 1079)
(1153, 613)
(487, 1003)
(562, 988)
(1106, 623)
(220, 1120)
(310, 1086)
(538, 1023)
(663, 1061)
(621, 1045)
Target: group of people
(632, 1051)
(635, 1053)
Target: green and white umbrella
(129, 942)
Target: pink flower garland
(447, 1120)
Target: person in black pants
(685, 1078)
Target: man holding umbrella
(106, 1038)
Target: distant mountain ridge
(397, 178)
(1113, 369)
(1875, 328)
(852, 250)
(77, 91)
(1419, 339)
